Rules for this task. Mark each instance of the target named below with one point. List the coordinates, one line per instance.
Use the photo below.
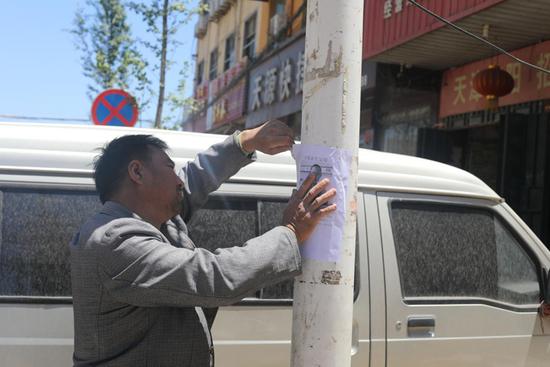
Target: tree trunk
(158, 117)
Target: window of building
(36, 227)
(450, 251)
(213, 73)
(200, 72)
(229, 59)
(249, 44)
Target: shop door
(524, 167)
(475, 149)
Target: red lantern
(493, 83)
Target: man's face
(163, 187)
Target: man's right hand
(306, 207)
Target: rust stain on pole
(331, 277)
(314, 13)
(331, 69)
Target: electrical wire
(440, 18)
(66, 119)
(30, 118)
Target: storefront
(506, 146)
(425, 104)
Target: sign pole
(323, 294)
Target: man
(140, 285)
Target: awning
(512, 24)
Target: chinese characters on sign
(275, 86)
(228, 106)
(458, 95)
(543, 79)
(276, 83)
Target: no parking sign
(115, 107)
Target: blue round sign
(114, 107)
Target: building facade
(417, 84)
(425, 103)
(235, 40)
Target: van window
(36, 227)
(223, 222)
(457, 251)
(271, 215)
(226, 222)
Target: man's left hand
(271, 138)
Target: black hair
(111, 163)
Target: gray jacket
(138, 292)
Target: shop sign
(458, 95)
(201, 92)
(197, 120)
(275, 86)
(229, 106)
(389, 23)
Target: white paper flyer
(326, 241)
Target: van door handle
(421, 327)
(354, 337)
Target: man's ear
(136, 171)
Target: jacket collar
(118, 210)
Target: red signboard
(389, 23)
(458, 95)
(229, 105)
(221, 109)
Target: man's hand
(306, 207)
(271, 138)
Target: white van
(446, 273)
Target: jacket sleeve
(139, 268)
(209, 170)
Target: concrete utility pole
(323, 294)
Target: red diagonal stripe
(115, 111)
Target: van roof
(42, 153)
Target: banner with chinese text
(275, 86)
(458, 95)
(229, 103)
